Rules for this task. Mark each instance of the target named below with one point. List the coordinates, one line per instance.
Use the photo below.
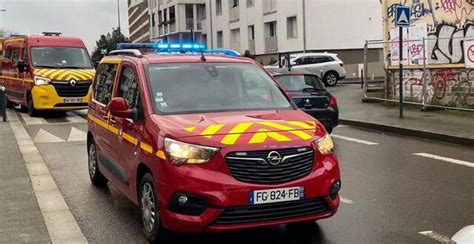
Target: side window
(15, 56)
(104, 82)
(129, 88)
(7, 53)
(25, 55)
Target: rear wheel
(149, 209)
(31, 108)
(96, 177)
(330, 78)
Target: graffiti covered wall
(447, 26)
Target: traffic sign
(402, 16)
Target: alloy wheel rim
(148, 207)
(92, 160)
(331, 79)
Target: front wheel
(31, 107)
(330, 78)
(149, 209)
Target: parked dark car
(310, 94)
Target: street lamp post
(118, 11)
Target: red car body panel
(143, 145)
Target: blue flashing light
(178, 48)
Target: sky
(86, 19)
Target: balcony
(271, 44)
(252, 46)
(234, 14)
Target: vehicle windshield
(211, 87)
(60, 57)
(293, 83)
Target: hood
(231, 128)
(66, 74)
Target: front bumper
(45, 97)
(222, 192)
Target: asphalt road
(389, 194)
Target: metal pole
(118, 11)
(304, 26)
(364, 74)
(400, 66)
(425, 88)
(3, 103)
(210, 25)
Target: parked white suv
(331, 67)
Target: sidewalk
(437, 125)
(20, 216)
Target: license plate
(73, 100)
(276, 195)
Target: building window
(269, 6)
(220, 39)
(291, 27)
(218, 7)
(165, 15)
(235, 39)
(250, 3)
(234, 3)
(201, 11)
(251, 32)
(189, 16)
(172, 14)
(270, 29)
(160, 20)
(153, 19)
(204, 39)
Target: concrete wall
(447, 25)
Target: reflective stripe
(161, 154)
(300, 134)
(145, 147)
(190, 129)
(262, 135)
(235, 133)
(211, 130)
(48, 72)
(130, 138)
(302, 125)
(53, 75)
(114, 130)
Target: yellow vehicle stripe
(301, 134)
(81, 76)
(145, 147)
(211, 130)
(90, 72)
(54, 74)
(235, 133)
(85, 74)
(113, 129)
(130, 138)
(60, 77)
(262, 135)
(39, 71)
(48, 72)
(161, 154)
(190, 129)
(302, 125)
(98, 121)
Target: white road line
(445, 159)
(437, 237)
(74, 118)
(33, 120)
(345, 138)
(346, 200)
(61, 224)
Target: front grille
(64, 88)
(253, 167)
(272, 211)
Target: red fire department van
(48, 72)
(205, 140)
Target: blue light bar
(178, 48)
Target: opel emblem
(274, 158)
(73, 83)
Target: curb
(410, 132)
(60, 223)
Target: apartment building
(138, 20)
(269, 27)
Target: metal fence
(428, 80)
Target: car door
(99, 117)
(132, 142)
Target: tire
(96, 177)
(331, 78)
(149, 209)
(31, 108)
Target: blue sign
(402, 16)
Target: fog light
(184, 203)
(335, 188)
(182, 200)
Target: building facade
(269, 27)
(138, 20)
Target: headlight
(41, 81)
(325, 145)
(183, 153)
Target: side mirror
(118, 107)
(22, 66)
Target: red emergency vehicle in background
(48, 72)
